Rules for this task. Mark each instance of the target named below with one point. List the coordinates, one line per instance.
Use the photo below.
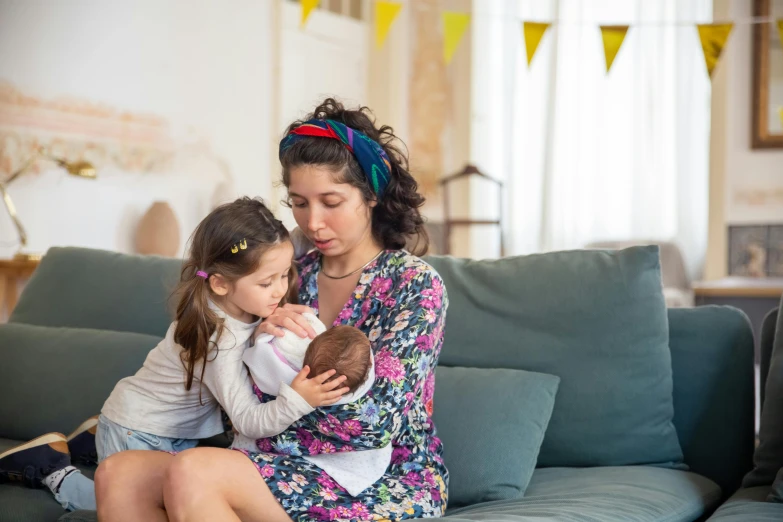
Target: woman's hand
(289, 317)
(319, 391)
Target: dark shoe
(81, 442)
(34, 460)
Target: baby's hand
(316, 391)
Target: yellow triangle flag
(713, 37)
(307, 8)
(454, 25)
(613, 37)
(780, 29)
(385, 13)
(534, 32)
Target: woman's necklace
(355, 271)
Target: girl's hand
(316, 391)
(289, 317)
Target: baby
(276, 360)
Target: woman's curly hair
(396, 219)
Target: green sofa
(88, 318)
(750, 502)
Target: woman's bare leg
(129, 486)
(207, 484)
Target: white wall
(328, 58)
(204, 66)
(736, 170)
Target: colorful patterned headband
(371, 157)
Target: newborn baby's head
(343, 348)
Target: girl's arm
(404, 346)
(228, 380)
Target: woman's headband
(371, 157)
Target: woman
(353, 197)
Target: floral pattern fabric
(400, 304)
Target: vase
(158, 231)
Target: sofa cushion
(22, 504)
(611, 494)
(595, 319)
(748, 505)
(776, 492)
(768, 458)
(125, 293)
(492, 423)
(52, 379)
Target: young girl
(239, 271)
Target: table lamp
(81, 169)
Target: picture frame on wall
(756, 250)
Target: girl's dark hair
(243, 222)
(396, 219)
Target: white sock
(54, 480)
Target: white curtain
(587, 156)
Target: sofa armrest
(712, 363)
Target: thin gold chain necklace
(355, 271)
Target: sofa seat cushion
(621, 494)
(21, 504)
(749, 504)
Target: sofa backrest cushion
(52, 379)
(85, 288)
(597, 320)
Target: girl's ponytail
(196, 322)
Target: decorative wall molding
(77, 129)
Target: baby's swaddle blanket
(274, 360)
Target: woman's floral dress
(400, 304)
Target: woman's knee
(187, 474)
(185, 466)
(109, 471)
(132, 475)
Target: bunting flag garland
(713, 37)
(307, 8)
(385, 13)
(613, 37)
(780, 29)
(454, 26)
(534, 32)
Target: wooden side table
(754, 296)
(12, 274)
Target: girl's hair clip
(241, 246)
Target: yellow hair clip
(242, 245)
